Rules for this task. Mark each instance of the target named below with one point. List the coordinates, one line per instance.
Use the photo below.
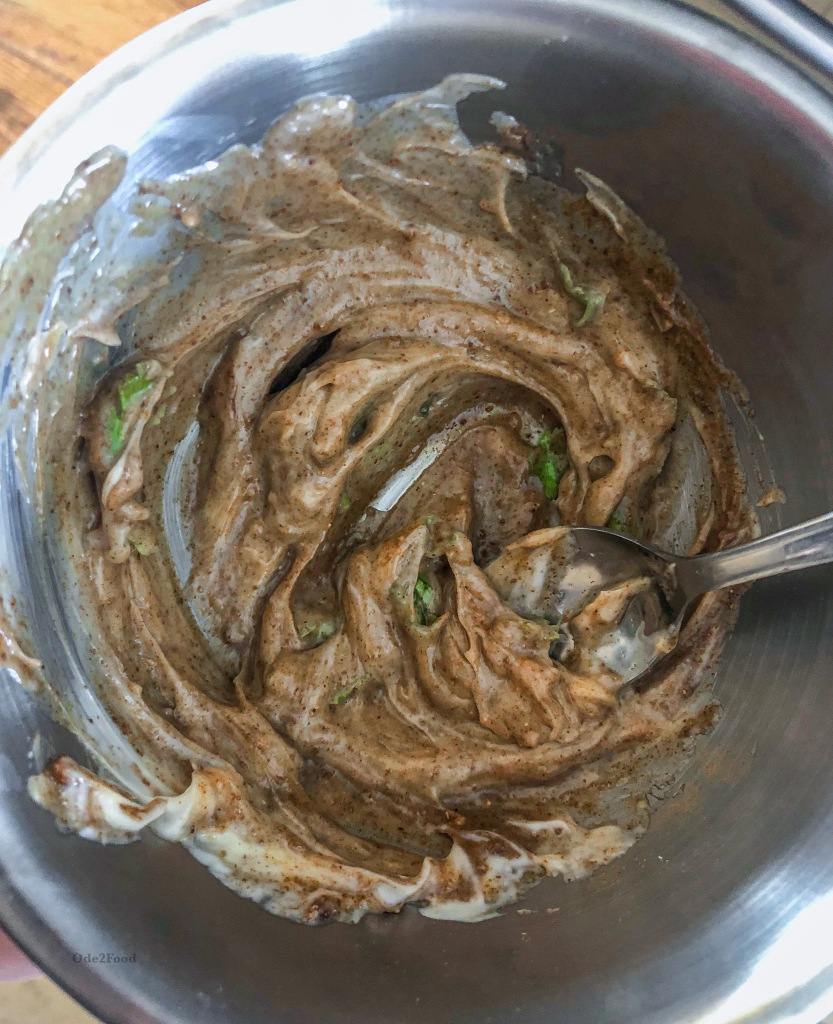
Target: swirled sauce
(374, 359)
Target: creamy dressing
(297, 406)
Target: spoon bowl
(557, 573)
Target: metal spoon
(554, 574)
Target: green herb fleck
(424, 602)
(619, 525)
(141, 539)
(592, 298)
(425, 408)
(547, 463)
(344, 502)
(347, 691)
(381, 450)
(318, 631)
(558, 638)
(555, 635)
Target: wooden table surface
(46, 44)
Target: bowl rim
(692, 23)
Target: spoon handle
(799, 547)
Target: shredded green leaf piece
(348, 691)
(133, 387)
(130, 389)
(115, 431)
(592, 298)
(548, 464)
(344, 502)
(424, 601)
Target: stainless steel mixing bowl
(724, 912)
